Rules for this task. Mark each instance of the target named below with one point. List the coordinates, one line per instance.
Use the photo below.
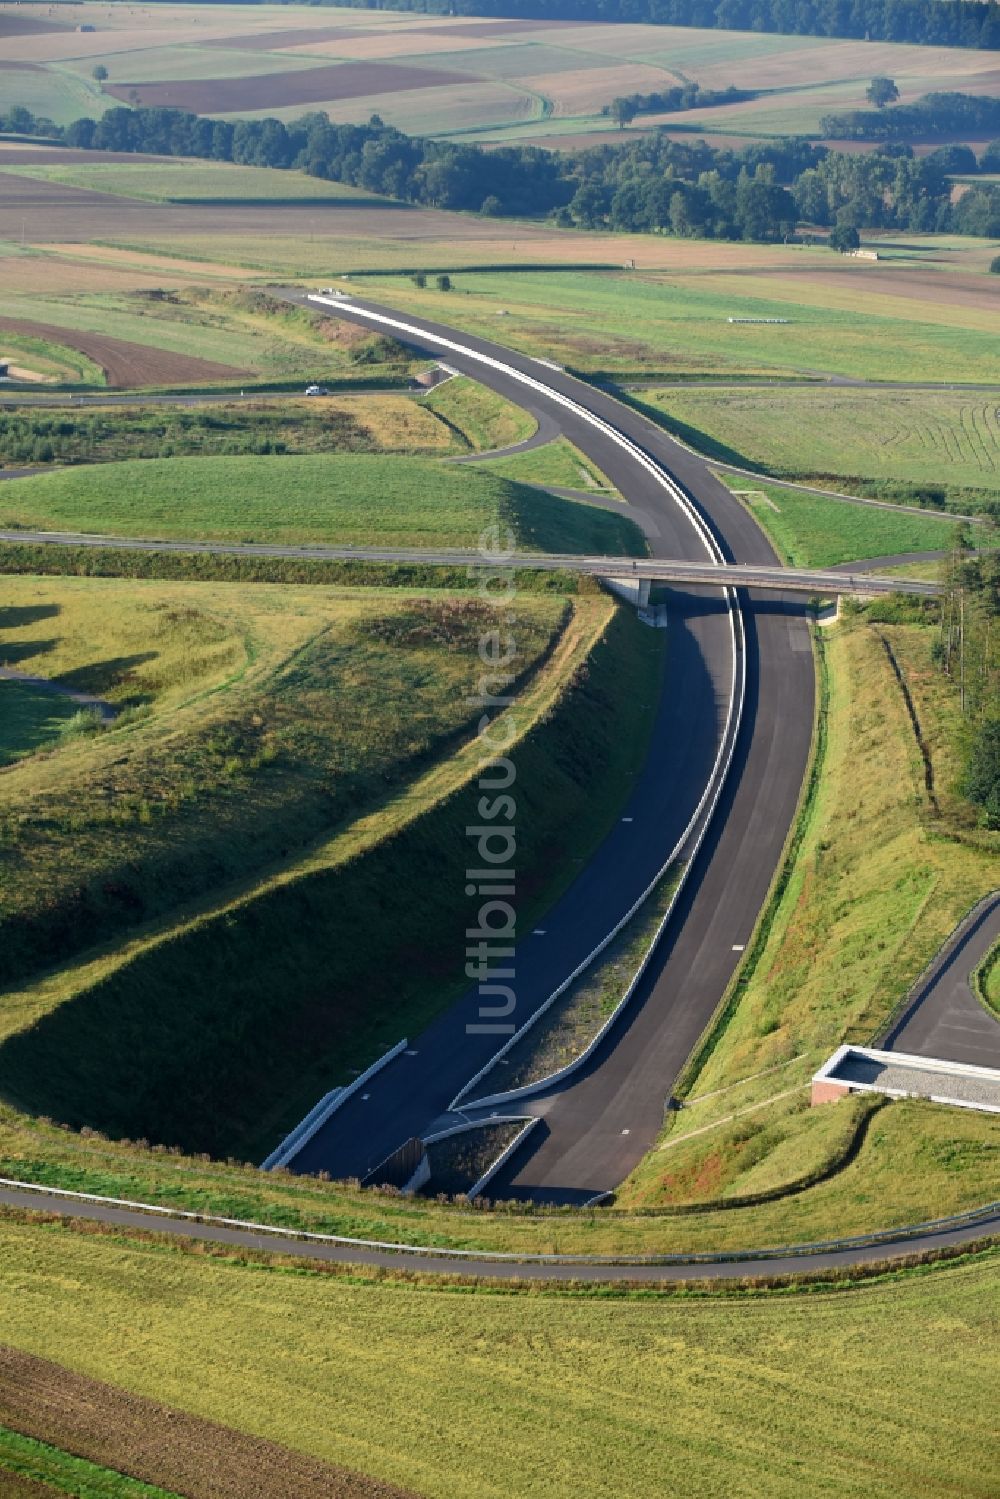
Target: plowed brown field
(161, 1445)
(126, 365)
(276, 90)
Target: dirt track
(161, 1445)
(126, 366)
(276, 90)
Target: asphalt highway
(585, 1148)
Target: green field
(58, 1472)
(919, 437)
(559, 463)
(247, 329)
(371, 501)
(810, 531)
(677, 323)
(886, 1390)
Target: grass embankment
(988, 980)
(345, 424)
(34, 1469)
(220, 1034)
(259, 721)
(917, 437)
(479, 416)
(889, 860)
(886, 1389)
(342, 499)
(810, 531)
(915, 1161)
(559, 463)
(676, 323)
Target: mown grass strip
(62, 1473)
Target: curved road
(943, 1017)
(598, 1129)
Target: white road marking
(739, 947)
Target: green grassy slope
(217, 1038)
(810, 531)
(367, 500)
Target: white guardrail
(723, 760)
(324, 1110)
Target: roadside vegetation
(481, 418)
(345, 424)
(801, 318)
(890, 855)
(559, 463)
(246, 332)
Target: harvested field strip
(280, 90)
(161, 1445)
(888, 1390)
(126, 365)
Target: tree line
(626, 107)
(969, 655)
(933, 116)
(649, 183)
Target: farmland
(457, 78)
(255, 1350)
(927, 438)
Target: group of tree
(626, 107)
(969, 654)
(648, 183)
(929, 118)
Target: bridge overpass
(639, 571)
